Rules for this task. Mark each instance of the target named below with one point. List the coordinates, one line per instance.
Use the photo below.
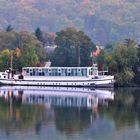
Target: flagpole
(11, 63)
(79, 59)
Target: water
(40, 113)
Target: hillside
(103, 20)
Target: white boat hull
(106, 81)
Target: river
(53, 113)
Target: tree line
(74, 48)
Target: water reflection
(69, 113)
(23, 107)
(57, 96)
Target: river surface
(40, 113)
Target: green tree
(4, 59)
(30, 58)
(26, 38)
(122, 61)
(74, 48)
(137, 67)
(39, 34)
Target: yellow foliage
(17, 52)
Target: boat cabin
(60, 71)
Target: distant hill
(103, 20)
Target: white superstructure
(59, 76)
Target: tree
(30, 58)
(19, 43)
(39, 34)
(122, 61)
(49, 38)
(137, 67)
(9, 28)
(26, 39)
(128, 42)
(8, 40)
(101, 60)
(74, 48)
(4, 59)
(108, 48)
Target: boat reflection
(67, 111)
(57, 96)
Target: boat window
(33, 72)
(89, 72)
(66, 72)
(72, 72)
(27, 70)
(52, 72)
(55, 72)
(46, 70)
(63, 70)
(75, 72)
(79, 73)
(69, 70)
(69, 74)
(30, 70)
(63, 74)
(43, 73)
(84, 72)
(59, 74)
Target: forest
(102, 20)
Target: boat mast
(79, 59)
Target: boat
(58, 76)
(57, 96)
